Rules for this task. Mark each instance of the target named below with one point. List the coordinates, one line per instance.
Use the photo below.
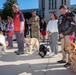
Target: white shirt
(52, 26)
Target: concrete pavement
(11, 64)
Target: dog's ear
(1, 32)
(1, 44)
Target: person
(10, 31)
(19, 29)
(27, 28)
(35, 27)
(66, 25)
(52, 31)
(43, 29)
(3, 27)
(1, 24)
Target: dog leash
(48, 58)
(47, 66)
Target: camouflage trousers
(36, 34)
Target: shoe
(61, 61)
(15, 51)
(43, 41)
(67, 65)
(20, 53)
(51, 55)
(8, 47)
(55, 55)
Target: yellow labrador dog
(31, 44)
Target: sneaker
(55, 55)
(51, 55)
(61, 61)
(67, 65)
(8, 47)
(11, 47)
(20, 53)
(15, 51)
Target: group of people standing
(63, 26)
(7, 27)
(60, 28)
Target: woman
(52, 30)
(10, 30)
(43, 29)
(3, 27)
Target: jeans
(20, 41)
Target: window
(52, 4)
(62, 2)
(49, 4)
(65, 2)
(55, 4)
(43, 4)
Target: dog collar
(28, 45)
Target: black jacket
(43, 26)
(66, 24)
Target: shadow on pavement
(11, 57)
(33, 69)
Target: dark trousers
(20, 41)
(27, 32)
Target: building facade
(73, 7)
(47, 6)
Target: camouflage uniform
(35, 27)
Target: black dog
(43, 51)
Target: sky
(29, 4)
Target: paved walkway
(11, 64)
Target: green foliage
(27, 15)
(0, 13)
(7, 11)
(74, 11)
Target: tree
(74, 11)
(12, 1)
(27, 15)
(7, 11)
(0, 13)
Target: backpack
(43, 51)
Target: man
(27, 28)
(0, 24)
(19, 29)
(34, 21)
(66, 27)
